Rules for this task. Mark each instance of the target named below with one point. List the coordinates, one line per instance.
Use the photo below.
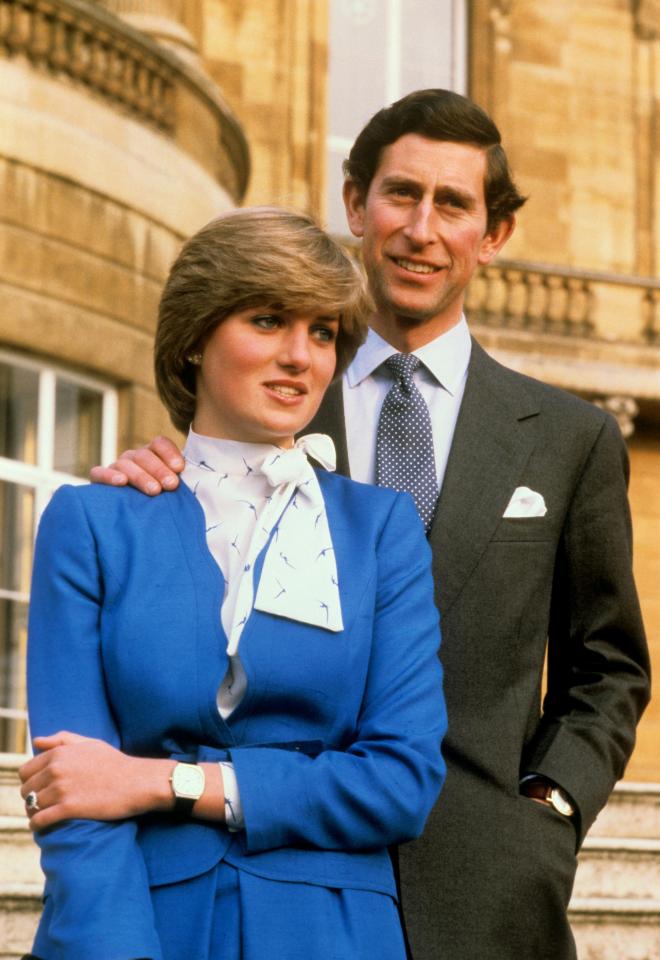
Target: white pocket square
(525, 503)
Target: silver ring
(32, 802)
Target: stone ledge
(622, 844)
(20, 908)
(606, 909)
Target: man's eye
(457, 203)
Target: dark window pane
(19, 399)
(78, 413)
(16, 535)
(13, 643)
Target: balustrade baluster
(651, 330)
(18, 27)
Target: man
(530, 533)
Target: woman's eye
(267, 321)
(325, 334)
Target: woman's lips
(287, 391)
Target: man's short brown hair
(438, 115)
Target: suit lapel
(330, 420)
(489, 451)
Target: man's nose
(420, 228)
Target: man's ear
(495, 239)
(354, 204)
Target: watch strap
(550, 793)
(183, 806)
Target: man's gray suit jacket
(492, 875)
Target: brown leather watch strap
(537, 789)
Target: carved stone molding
(624, 409)
(499, 17)
(163, 20)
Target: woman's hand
(80, 777)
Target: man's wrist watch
(188, 782)
(549, 793)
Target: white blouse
(252, 495)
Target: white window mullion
(46, 420)
(459, 46)
(110, 419)
(393, 75)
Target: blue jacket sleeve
(381, 789)
(97, 896)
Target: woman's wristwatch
(188, 782)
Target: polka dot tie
(405, 459)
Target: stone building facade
(125, 125)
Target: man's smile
(414, 266)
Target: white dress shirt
(440, 378)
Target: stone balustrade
(84, 44)
(550, 299)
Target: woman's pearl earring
(195, 359)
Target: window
(54, 426)
(379, 51)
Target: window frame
(393, 89)
(41, 477)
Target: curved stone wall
(111, 151)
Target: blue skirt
(228, 914)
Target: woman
(234, 689)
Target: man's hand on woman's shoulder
(151, 469)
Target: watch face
(560, 802)
(188, 780)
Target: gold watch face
(560, 802)
(188, 781)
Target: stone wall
(269, 58)
(574, 88)
(645, 503)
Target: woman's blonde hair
(253, 257)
